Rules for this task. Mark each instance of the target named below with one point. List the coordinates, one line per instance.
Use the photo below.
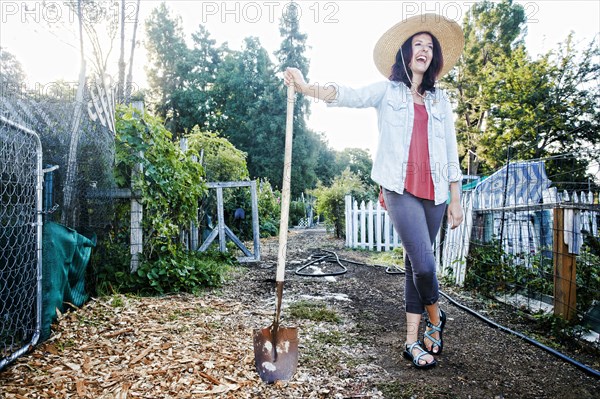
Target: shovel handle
(285, 189)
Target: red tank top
(418, 173)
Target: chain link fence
(530, 244)
(75, 124)
(20, 239)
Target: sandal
(408, 354)
(439, 328)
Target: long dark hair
(399, 72)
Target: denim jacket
(395, 113)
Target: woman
(417, 158)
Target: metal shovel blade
(276, 353)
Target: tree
(167, 52)
(327, 167)
(99, 31)
(98, 23)
(543, 108)
(129, 81)
(180, 78)
(199, 103)
(359, 162)
(331, 200)
(220, 159)
(251, 109)
(121, 78)
(291, 51)
(511, 107)
(516, 96)
(308, 145)
(12, 74)
(492, 30)
(234, 93)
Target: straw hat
(446, 31)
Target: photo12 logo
(457, 10)
(268, 11)
(67, 11)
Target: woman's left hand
(455, 214)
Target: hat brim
(447, 32)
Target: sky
(341, 36)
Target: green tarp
(65, 256)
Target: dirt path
(196, 347)
(478, 361)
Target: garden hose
(388, 269)
(527, 339)
(329, 257)
(334, 257)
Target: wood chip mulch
(179, 346)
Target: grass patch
(330, 338)
(314, 311)
(395, 257)
(116, 301)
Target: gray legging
(417, 222)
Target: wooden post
(255, 223)
(221, 221)
(565, 302)
(136, 236)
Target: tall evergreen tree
(308, 145)
(196, 103)
(180, 78)
(251, 108)
(327, 168)
(291, 51)
(168, 70)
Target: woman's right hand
(293, 76)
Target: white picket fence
(368, 226)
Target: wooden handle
(285, 189)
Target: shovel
(275, 347)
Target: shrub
(297, 212)
(488, 268)
(331, 200)
(183, 271)
(268, 209)
(170, 185)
